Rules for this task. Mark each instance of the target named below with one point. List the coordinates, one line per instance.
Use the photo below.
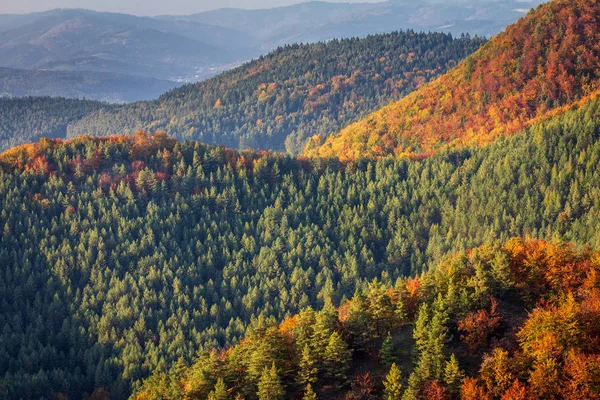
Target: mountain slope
(121, 255)
(547, 60)
(79, 40)
(28, 119)
(109, 87)
(280, 100)
(482, 301)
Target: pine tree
(309, 394)
(220, 391)
(430, 334)
(380, 306)
(420, 330)
(388, 351)
(393, 384)
(400, 312)
(324, 325)
(269, 386)
(453, 376)
(358, 318)
(337, 358)
(308, 369)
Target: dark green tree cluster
(280, 100)
(28, 119)
(120, 256)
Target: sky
(143, 7)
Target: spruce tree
(393, 384)
(309, 394)
(388, 352)
(269, 386)
(308, 369)
(453, 376)
(337, 358)
(220, 391)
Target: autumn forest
(406, 216)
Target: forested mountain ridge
(546, 60)
(280, 100)
(123, 255)
(496, 322)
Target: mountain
(109, 87)
(480, 302)
(318, 21)
(80, 40)
(196, 47)
(280, 100)
(122, 255)
(28, 119)
(141, 266)
(547, 60)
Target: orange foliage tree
(547, 60)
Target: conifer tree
(309, 394)
(324, 326)
(220, 391)
(337, 358)
(259, 360)
(308, 370)
(358, 318)
(453, 376)
(393, 384)
(269, 386)
(400, 312)
(380, 306)
(388, 351)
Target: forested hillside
(463, 331)
(123, 255)
(28, 119)
(279, 101)
(546, 60)
(101, 86)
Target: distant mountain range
(195, 47)
(80, 40)
(318, 21)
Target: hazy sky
(143, 7)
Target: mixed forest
(446, 247)
(538, 66)
(280, 100)
(124, 255)
(461, 331)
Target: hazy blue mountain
(117, 43)
(103, 86)
(317, 21)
